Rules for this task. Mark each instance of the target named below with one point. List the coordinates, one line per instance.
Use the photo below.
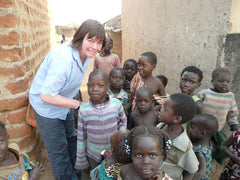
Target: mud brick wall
(25, 39)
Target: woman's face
(90, 47)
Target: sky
(77, 11)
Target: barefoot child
(116, 79)
(232, 168)
(221, 103)
(201, 127)
(147, 146)
(106, 60)
(98, 119)
(130, 69)
(144, 115)
(191, 78)
(111, 166)
(14, 165)
(181, 162)
(146, 64)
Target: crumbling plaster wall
(180, 32)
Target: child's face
(146, 156)
(116, 79)
(97, 88)
(144, 66)
(144, 102)
(130, 70)
(3, 144)
(194, 129)
(166, 114)
(222, 82)
(108, 45)
(189, 82)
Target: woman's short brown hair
(92, 28)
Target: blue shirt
(60, 73)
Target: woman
(55, 84)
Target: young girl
(232, 169)
(147, 146)
(116, 79)
(181, 162)
(130, 69)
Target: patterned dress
(207, 152)
(232, 170)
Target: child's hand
(157, 176)
(37, 171)
(237, 160)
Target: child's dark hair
(163, 78)
(131, 61)
(120, 151)
(217, 71)
(98, 72)
(145, 89)
(208, 122)
(2, 126)
(116, 69)
(195, 70)
(183, 106)
(150, 131)
(151, 56)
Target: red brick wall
(25, 29)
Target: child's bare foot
(37, 171)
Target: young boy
(116, 79)
(164, 79)
(181, 161)
(14, 165)
(221, 103)
(191, 78)
(98, 119)
(145, 115)
(106, 60)
(201, 127)
(146, 64)
(130, 69)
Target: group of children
(132, 129)
(171, 136)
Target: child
(191, 78)
(146, 64)
(145, 115)
(111, 166)
(164, 79)
(231, 169)
(14, 165)
(98, 119)
(130, 68)
(201, 127)
(181, 162)
(106, 60)
(220, 102)
(116, 79)
(147, 146)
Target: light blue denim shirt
(60, 73)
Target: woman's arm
(60, 101)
